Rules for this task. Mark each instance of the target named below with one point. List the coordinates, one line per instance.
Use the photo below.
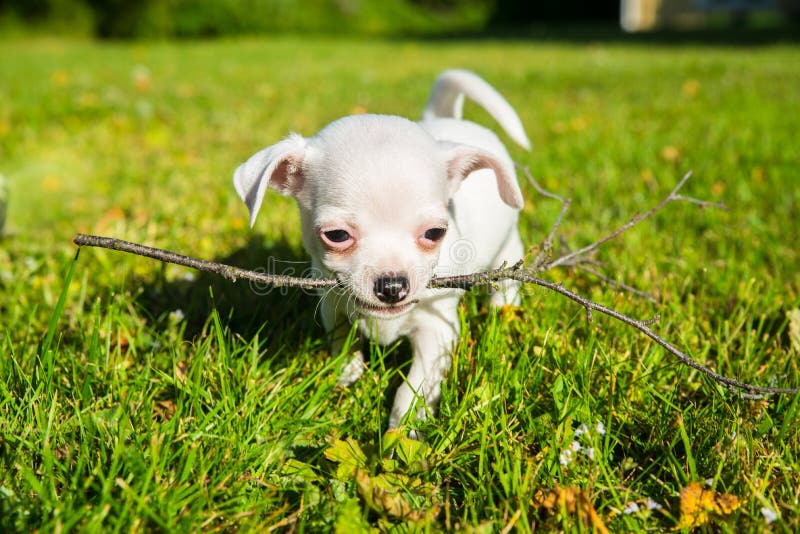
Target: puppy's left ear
(463, 160)
(278, 167)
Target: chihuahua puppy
(385, 205)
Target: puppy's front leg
(432, 343)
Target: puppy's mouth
(383, 311)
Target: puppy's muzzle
(391, 288)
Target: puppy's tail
(447, 101)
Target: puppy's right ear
(278, 167)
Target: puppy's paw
(352, 370)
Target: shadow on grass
(280, 315)
(286, 320)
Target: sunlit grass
(155, 398)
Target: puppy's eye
(336, 236)
(434, 234)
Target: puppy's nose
(391, 288)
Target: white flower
(769, 514)
(652, 505)
(600, 428)
(631, 508)
(709, 482)
(583, 429)
(568, 454)
(176, 316)
(589, 452)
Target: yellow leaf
(690, 88)
(60, 77)
(572, 501)
(398, 496)
(348, 454)
(697, 504)
(510, 313)
(670, 154)
(181, 371)
(578, 124)
(51, 183)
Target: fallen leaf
(121, 341)
(510, 313)
(181, 371)
(88, 99)
(398, 496)
(51, 183)
(349, 455)
(697, 504)
(758, 174)
(60, 78)
(572, 501)
(141, 78)
(670, 154)
(690, 88)
(578, 124)
(164, 410)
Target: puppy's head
(373, 192)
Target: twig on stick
(574, 258)
(546, 248)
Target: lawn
(138, 396)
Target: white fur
(388, 183)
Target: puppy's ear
(463, 160)
(278, 167)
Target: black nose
(391, 288)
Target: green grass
(141, 397)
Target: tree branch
(518, 272)
(226, 271)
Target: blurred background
(131, 19)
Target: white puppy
(386, 204)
